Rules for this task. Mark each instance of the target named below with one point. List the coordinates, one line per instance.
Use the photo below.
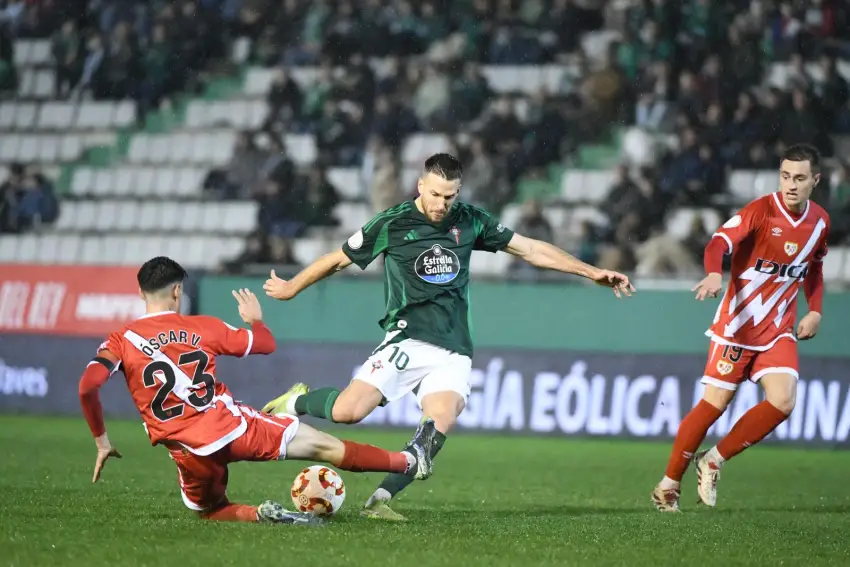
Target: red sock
(753, 426)
(368, 458)
(232, 513)
(692, 431)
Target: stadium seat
(765, 182)
(418, 147)
(679, 222)
(834, 264)
(347, 182)
(301, 148)
(27, 248)
(95, 115)
(742, 185)
(352, 216)
(56, 116)
(8, 248)
(48, 249)
(306, 250)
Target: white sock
(668, 483)
(290, 405)
(411, 462)
(380, 495)
(713, 456)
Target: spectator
(321, 198)
(67, 47)
(243, 173)
(385, 189)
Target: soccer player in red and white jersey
(168, 361)
(777, 243)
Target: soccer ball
(318, 490)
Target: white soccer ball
(318, 490)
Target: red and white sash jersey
(168, 362)
(772, 250)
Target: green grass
(492, 501)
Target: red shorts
(729, 366)
(203, 480)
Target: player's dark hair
(803, 152)
(160, 273)
(445, 165)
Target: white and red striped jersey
(772, 250)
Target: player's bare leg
(352, 405)
(444, 408)
(414, 461)
(692, 432)
(781, 395)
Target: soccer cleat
(380, 510)
(666, 500)
(285, 404)
(421, 448)
(272, 512)
(708, 474)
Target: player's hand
(709, 286)
(249, 306)
(279, 288)
(618, 282)
(808, 326)
(105, 450)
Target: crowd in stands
(27, 200)
(688, 77)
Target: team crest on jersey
(456, 233)
(791, 248)
(376, 365)
(437, 265)
(724, 367)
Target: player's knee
(783, 401)
(718, 397)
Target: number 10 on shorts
(398, 358)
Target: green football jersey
(426, 266)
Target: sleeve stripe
(250, 343)
(726, 238)
(104, 361)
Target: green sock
(395, 483)
(317, 403)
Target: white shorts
(409, 365)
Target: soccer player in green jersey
(427, 245)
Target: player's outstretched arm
(548, 256)
(711, 284)
(320, 269)
(96, 374)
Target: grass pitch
(492, 501)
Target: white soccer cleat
(666, 500)
(708, 473)
(272, 512)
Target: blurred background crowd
(623, 130)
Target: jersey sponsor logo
(356, 240)
(733, 222)
(791, 248)
(771, 268)
(437, 265)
